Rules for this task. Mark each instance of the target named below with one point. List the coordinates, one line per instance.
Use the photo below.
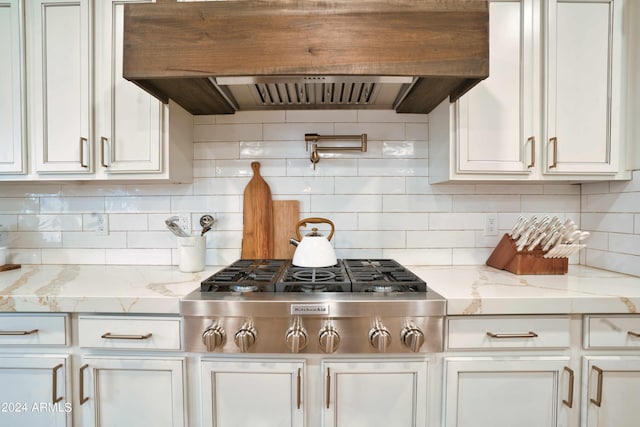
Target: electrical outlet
(491, 224)
(102, 224)
(184, 221)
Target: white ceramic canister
(191, 253)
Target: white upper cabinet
(551, 107)
(128, 119)
(85, 121)
(12, 88)
(58, 64)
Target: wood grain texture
(172, 47)
(257, 228)
(9, 267)
(506, 257)
(286, 214)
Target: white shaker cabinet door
(375, 394)
(583, 68)
(610, 397)
(129, 121)
(495, 119)
(34, 391)
(131, 391)
(58, 64)
(252, 393)
(12, 88)
(503, 392)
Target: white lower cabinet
(507, 391)
(612, 387)
(375, 393)
(252, 393)
(331, 393)
(117, 391)
(34, 391)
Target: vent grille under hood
(218, 57)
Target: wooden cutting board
(286, 214)
(257, 228)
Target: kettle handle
(303, 223)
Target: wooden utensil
(257, 229)
(286, 214)
(7, 267)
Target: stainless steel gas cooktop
(355, 306)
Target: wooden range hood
(310, 54)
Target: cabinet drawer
(612, 332)
(120, 332)
(33, 329)
(508, 332)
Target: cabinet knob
(329, 339)
(296, 337)
(380, 338)
(245, 338)
(412, 338)
(213, 337)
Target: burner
(314, 275)
(312, 289)
(381, 288)
(244, 288)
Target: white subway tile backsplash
(380, 201)
(89, 239)
(228, 132)
(416, 203)
(343, 203)
(369, 185)
(50, 222)
(393, 221)
(15, 205)
(409, 149)
(482, 203)
(636, 227)
(138, 204)
(393, 167)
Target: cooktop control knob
(329, 339)
(412, 337)
(213, 337)
(245, 338)
(379, 337)
(296, 338)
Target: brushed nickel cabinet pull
(634, 334)
(299, 380)
(55, 398)
(554, 141)
(328, 390)
(598, 400)
(110, 336)
(82, 142)
(532, 139)
(522, 335)
(31, 332)
(103, 141)
(82, 398)
(569, 400)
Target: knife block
(505, 256)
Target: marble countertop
(469, 290)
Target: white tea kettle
(314, 250)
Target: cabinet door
(34, 391)
(495, 119)
(12, 88)
(126, 391)
(58, 59)
(583, 67)
(500, 392)
(250, 393)
(128, 119)
(375, 394)
(610, 397)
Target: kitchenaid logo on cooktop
(309, 309)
